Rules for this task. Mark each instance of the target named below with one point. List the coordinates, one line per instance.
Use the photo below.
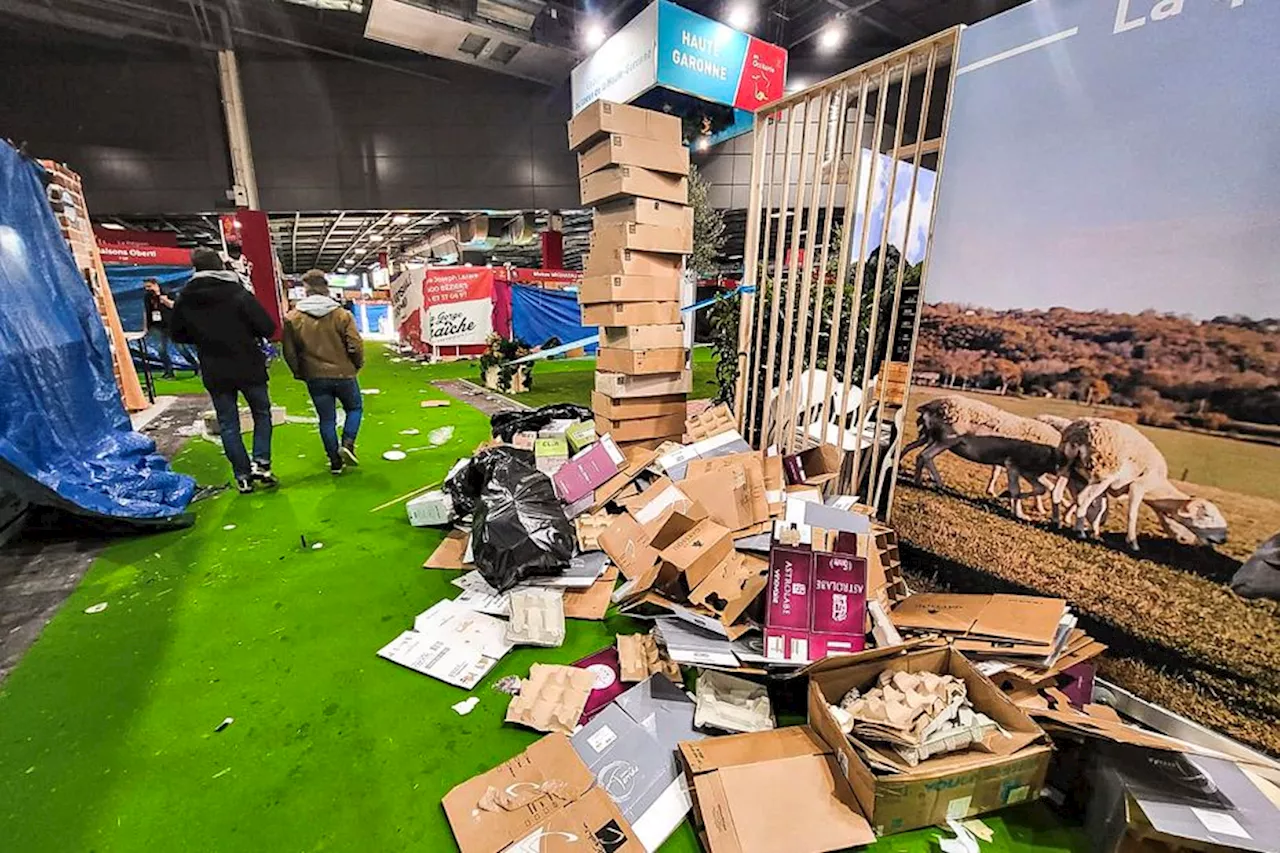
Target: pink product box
(605, 667)
(817, 605)
(591, 468)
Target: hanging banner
(137, 254)
(406, 307)
(550, 279)
(452, 324)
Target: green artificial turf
(107, 726)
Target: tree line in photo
(1172, 370)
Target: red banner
(137, 254)
(764, 76)
(551, 279)
(456, 284)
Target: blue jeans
(226, 404)
(326, 394)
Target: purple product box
(580, 476)
(817, 605)
(605, 667)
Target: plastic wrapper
(506, 424)
(519, 529)
(65, 439)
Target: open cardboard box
(957, 785)
(814, 466)
(769, 792)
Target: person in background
(226, 324)
(323, 348)
(159, 308)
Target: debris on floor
(96, 608)
(466, 706)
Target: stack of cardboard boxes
(634, 171)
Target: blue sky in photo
(1115, 171)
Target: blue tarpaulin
(131, 304)
(65, 439)
(538, 315)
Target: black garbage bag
(465, 484)
(519, 529)
(506, 424)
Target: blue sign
(699, 56)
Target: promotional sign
(550, 279)
(406, 307)
(622, 68)
(137, 254)
(459, 323)
(705, 58)
(668, 46)
(1102, 284)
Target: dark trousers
(326, 394)
(162, 344)
(226, 405)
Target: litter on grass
(228, 527)
(431, 404)
(466, 706)
(370, 391)
(409, 432)
(96, 608)
(440, 436)
(222, 726)
(317, 546)
(394, 455)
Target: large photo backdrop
(1105, 280)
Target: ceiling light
(401, 219)
(703, 143)
(113, 226)
(375, 238)
(593, 37)
(832, 35)
(795, 85)
(740, 16)
(357, 251)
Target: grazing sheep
(1037, 463)
(1114, 458)
(1259, 576)
(943, 421)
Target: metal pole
(237, 127)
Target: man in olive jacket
(323, 348)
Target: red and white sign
(445, 307)
(139, 254)
(451, 324)
(551, 279)
(456, 284)
(764, 76)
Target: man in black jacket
(226, 324)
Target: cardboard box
(631, 313)
(692, 547)
(643, 211)
(957, 785)
(623, 409)
(626, 386)
(642, 337)
(633, 465)
(814, 466)
(628, 545)
(593, 602)
(603, 117)
(639, 428)
(543, 796)
(642, 362)
(631, 288)
(752, 468)
(772, 791)
(610, 260)
(732, 586)
(1015, 618)
(644, 238)
(580, 435)
(449, 554)
(587, 470)
(618, 181)
(726, 495)
(451, 642)
(816, 606)
(621, 149)
(433, 508)
(650, 443)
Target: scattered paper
(466, 706)
(964, 842)
(370, 391)
(394, 455)
(451, 643)
(409, 431)
(980, 829)
(477, 595)
(222, 726)
(440, 436)
(228, 527)
(431, 404)
(317, 546)
(96, 608)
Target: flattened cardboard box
(644, 238)
(1025, 618)
(620, 149)
(621, 385)
(639, 428)
(616, 181)
(544, 796)
(552, 698)
(631, 314)
(593, 602)
(635, 460)
(773, 791)
(608, 260)
(628, 545)
(600, 289)
(604, 406)
(643, 337)
(959, 785)
(643, 211)
(603, 117)
(752, 465)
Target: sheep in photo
(1259, 576)
(1114, 458)
(1056, 421)
(1037, 463)
(944, 421)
